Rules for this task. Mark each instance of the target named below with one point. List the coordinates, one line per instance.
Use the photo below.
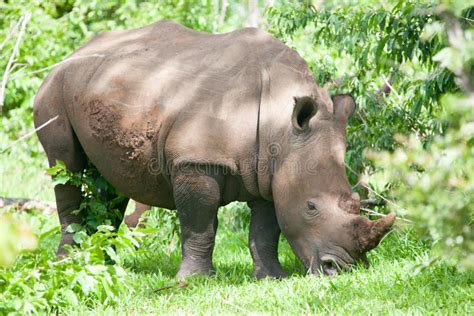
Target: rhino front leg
(197, 198)
(263, 240)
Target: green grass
(389, 287)
(396, 283)
(392, 285)
(23, 171)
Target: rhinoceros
(192, 121)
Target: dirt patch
(113, 129)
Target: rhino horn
(369, 233)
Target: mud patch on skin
(109, 127)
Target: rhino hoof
(188, 270)
(277, 273)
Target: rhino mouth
(330, 265)
(327, 265)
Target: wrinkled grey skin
(180, 119)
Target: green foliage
(101, 203)
(436, 186)
(15, 236)
(405, 44)
(149, 285)
(168, 232)
(435, 183)
(38, 282)
(358, 49)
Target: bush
(400, 63)
(38, 282)
(101, 204)
(435, 183)
(377, 52)
(15, 236)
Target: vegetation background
(410, 65)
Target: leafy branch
(101, 202)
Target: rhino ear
(344, 106)
(305, 108)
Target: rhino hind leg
(263, 241)
(133, 219)
(197, 198)
(60, 143)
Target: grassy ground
(396, 283)
(392, 285)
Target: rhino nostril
(329, 268)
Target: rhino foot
(66, 239)
(186, 270)
(275, 272)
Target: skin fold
(193, 121)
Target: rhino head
(316, 209)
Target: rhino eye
(312, 209)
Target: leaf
(70, 297)
(60, 179)
(119, 271)
(110, 251)
(380, 48)
(105, 228)
(79, 236)
(450, 58)
(86, 282)
(96, 269)
(53, 170)
(61, 164)
(73, 228)
(98, 207)
(102, 184)
(416, 107)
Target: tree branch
(372, 202)
(384, 89)
(19, 74)
(27, 204)
(22, 22)
(12, 31)
(223, 11)
(30, 133)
